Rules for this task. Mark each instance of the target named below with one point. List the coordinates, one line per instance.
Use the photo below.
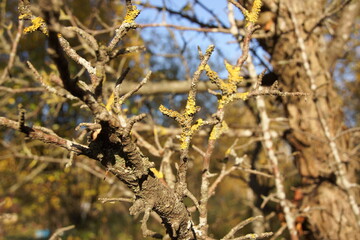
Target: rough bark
(326, 202)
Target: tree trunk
(325, 203)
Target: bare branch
(254, 236)
(41, 167)
(12, 54)
(239, 226)
(132, 92)
(112, 200)
(36, 134)
(123, 51)
(47, 87)
(76, 57)
(60, 231)
(86, 36)
(193, 199)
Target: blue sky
(223, 42)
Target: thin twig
(181, 186)
(37, 134)
(130, 93)
(347, 131)
(12, 54)
(86, 36)
(165, 166)
(60, 231)
(21, 90)
(112, 200)
(253, 236)
(224, 172)
(278, 232)
(240, 226)
(47, 87)
(120, 33)
(143, 143)
(75, 56)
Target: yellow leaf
(11, 100)
(110, 102)
(157, 173)
(8, 202)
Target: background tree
(322, 183)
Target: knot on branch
(137, 207)
(22, 113)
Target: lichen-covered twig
(131, 121)
(262, 91)
(251, 17)
(228, 94)
(127, 24)
(113, 101)
(186, 121)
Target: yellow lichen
(228, 88)
(218, 130)
(185, 140)
(212, 75)
(23, 16)
(36, 23)
(190, 108)
(242, 96)
(255, 10)
(187, 133)
(228, 151)
(197, 125)
(169, 112)
(131, 14)
(234, 73)
(225, 99)
(210, 50)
